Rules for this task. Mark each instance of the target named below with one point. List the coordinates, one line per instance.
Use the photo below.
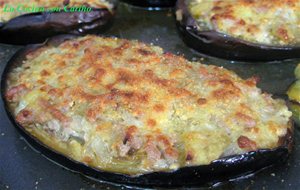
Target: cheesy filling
(10, 9)
(266, 22)
(127, 107)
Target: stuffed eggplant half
(241, 30)
(30, 21)
(127, 112)
(152, 3)
(294, 96)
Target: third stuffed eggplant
(23, 22)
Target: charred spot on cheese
(159, 108)
(245, 143)
(151, 122)
(263, 22)
(201, 101)
(134, 118)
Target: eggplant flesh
(152, 3)
(221, 45)
(220, 170)
(295, 108)
(294, 97)
(297, 72)
(37, 27)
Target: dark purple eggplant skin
(220, 170)
(36, 27)
(152, 3)
(220, 45)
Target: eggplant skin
(37, 27)
(152, 3)
(220, 45)
(220, 170)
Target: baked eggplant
(32, 22)
(177, 164)
(152, 3)
(221, 29)
(294, 96)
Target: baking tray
(23, 168)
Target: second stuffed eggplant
(241, 30)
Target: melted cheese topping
(260, 21)
(125, 106)
(32, 6)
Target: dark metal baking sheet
(23, 168)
